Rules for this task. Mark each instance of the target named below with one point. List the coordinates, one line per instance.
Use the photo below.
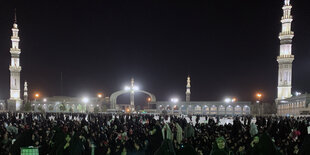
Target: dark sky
(228, 47)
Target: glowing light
(85, 99)
(149, 99)
(298, 93)
(234, 99)
(127, 110)
(44, 100)
(37, 95)
(99, 95)
(259, 95)
(127, 88)
(227, 100)
(174, 100)
(136, 88)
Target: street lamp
(230, 100)
(148, 102)
(36, 96)
(85, 100)
(234, 99)
(174, 100)
(259, 96)
(227, 100)
(99, 95)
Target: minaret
(132, 95)
(15, 68)
(188, 89)
(285, 58)
(26, 92)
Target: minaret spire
(15, 69)
(188, 89)
(132, 95)
(285, 58)
(15, 18)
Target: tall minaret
(132, 95)
(188, 90)
(285, 58)
(15, 68)
(26, 92)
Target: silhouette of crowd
(83, 134)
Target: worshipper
(143, 134)
(220, 147)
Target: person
(253, 130)
(305, 148)
(220, 147)
(263, 145)
(156, 137)
(189, 131)
(166, 147)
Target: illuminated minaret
(285, 58)
(15, 69)
(132, 94)
(188, 90)
(26, 91)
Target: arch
(246, 110)
(221, 110)
(113, 97)
(213, 110)
(238, 110)
(229, 110)
(206, 110)
(197, 109)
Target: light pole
(85, 100)
(36, 96)
(174, 101)
(259, 96)
(132, 90)
(148, 102)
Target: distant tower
(132, 95)
(188, 89)
(285, 58)
(26, 92)
(15, 69)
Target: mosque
(285, 102)
(108, 104)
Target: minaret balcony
(15, 68)
(286, 35)
(15, 51)
(287, 7)
(15, 38)
(287, 20)
(285, 58)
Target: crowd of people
(83, 134)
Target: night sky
(228, 47)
